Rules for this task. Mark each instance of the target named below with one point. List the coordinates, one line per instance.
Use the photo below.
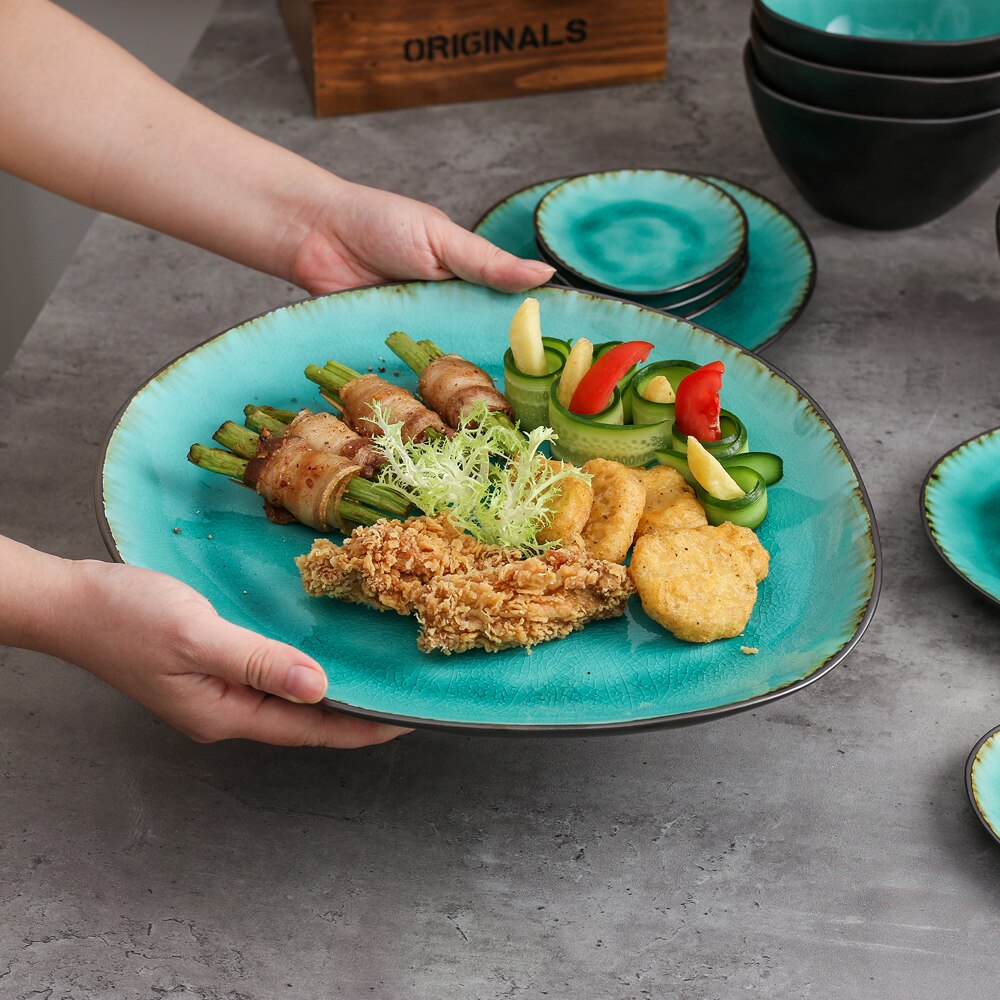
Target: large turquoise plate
(775, 288)
(616, 674)
(961, 508)
(982, 781)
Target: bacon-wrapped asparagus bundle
(324, 431)
(449, 383)
(298, 481)
(355, 393)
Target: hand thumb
(469, 256)
(267, 665)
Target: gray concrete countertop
(821, 846)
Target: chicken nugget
(746, 540)
(670, 502)
(619, 498)
(695, 583)
(571, 503)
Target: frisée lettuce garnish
(489, 479)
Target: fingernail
(544, 271)
(305, 684)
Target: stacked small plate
(884, 114)
(669, 240)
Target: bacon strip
(327, 432)
(359, 394)
(453, 386)
(292, 475)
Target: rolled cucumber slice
(766, 464)
(529, 394)
(604, 435)
(644, 411)
(732, 442)
(748, 510)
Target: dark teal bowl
(876, 173)
(909, 37)
(878, 94)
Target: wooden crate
(370, 55)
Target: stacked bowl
(669, 240)
(884, 113)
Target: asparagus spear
(358, 503)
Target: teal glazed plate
(157, 510)
(982, 781)
(684, 308)
(642, 232)
(961, 507)
(773, 294)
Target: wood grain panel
(365, 55)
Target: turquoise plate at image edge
(960, 500)
(772, 295)
(982, 780)
(628, 672)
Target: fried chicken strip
(465, 594)
(520, 603)
(388, 564)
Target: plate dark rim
(807, 292)
(932, 473)
(716, 275)
(969, 765)
(579, 729)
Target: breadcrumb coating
(464, 593)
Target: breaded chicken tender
(746, 540)
(388, 564)
(465, 593)
(695, 582)
(619, 499)
(520, 603)
(570, 510)
(670, 502)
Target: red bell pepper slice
(596, 388)
(697, 406)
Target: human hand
(162, 643)
(356, 235)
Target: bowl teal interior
(163, 513)
(895, 20)
(642, 232)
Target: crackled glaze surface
(620, 672)
(772, 294)
(642, 232)
(961, 504)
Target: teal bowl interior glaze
(641, 232)
(961, 508)
(159, 511)
(982, 778)
(772, 294)
(895, 20)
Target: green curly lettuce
(489, 479)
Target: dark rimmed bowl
(880, 94)
(875, 173)
(915, 37)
